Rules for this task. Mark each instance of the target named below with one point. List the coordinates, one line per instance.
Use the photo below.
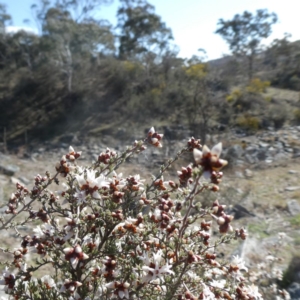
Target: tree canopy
(245, 33)
(141, 30)
(81, 69)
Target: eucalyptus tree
(71, 36)
(245, 33)
(4, 18)
(141, 30)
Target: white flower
(70, 286)
(117, 180)
(38, 232)
(80, 196)
(76, 296)
(109, 267)
(145, 258)
(72, 223)
(207, 293)
(23, 267)
(72, 155)
(193, 276)
(48, 281)
(8, 280)
(89, 241)
(156, 214)
(270, 258)
(64, 189)
(102, 290)
(130, 224)
(135, 183)
(213, 273)
(277, 273)
(154, 270)
(238, 264)
(209, 159)
(285, 294)
(252, 291)
(119, 244)
(282, 235)
(43, 231)
(154, 138)
(121, 288)
(91, 184)
(218, 283)
(74, 255)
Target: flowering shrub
(235, 95)
(268, 272)
(105, 236)
(248, 122)
(256, 86)
(196, 71)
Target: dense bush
(256, 86)
(248, 122)
(105, 236)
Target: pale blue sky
(193, 22)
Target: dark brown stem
(4, 225)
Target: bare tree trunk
(5, 141)
(69, 68)
(69, 74)
(250, 64)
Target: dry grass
(283, 94)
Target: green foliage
(70, 76)
(141, 29)
(245, 32)
(294, 82)
(279, 49)
(4, 17)
(250, 97)
(295, 221)
(156, 92)
(248, 122)
(45, 75)
(268, 98)
(196, 71)
(297, 240)
(258, 229)
(277, 116)
(235, 95)
(297, 115)
(129, 66)
(290, 274)
(257, 86)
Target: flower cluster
(210, 160)
(105, 236)
(15, 198)
(154, 138)
(268, 272)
